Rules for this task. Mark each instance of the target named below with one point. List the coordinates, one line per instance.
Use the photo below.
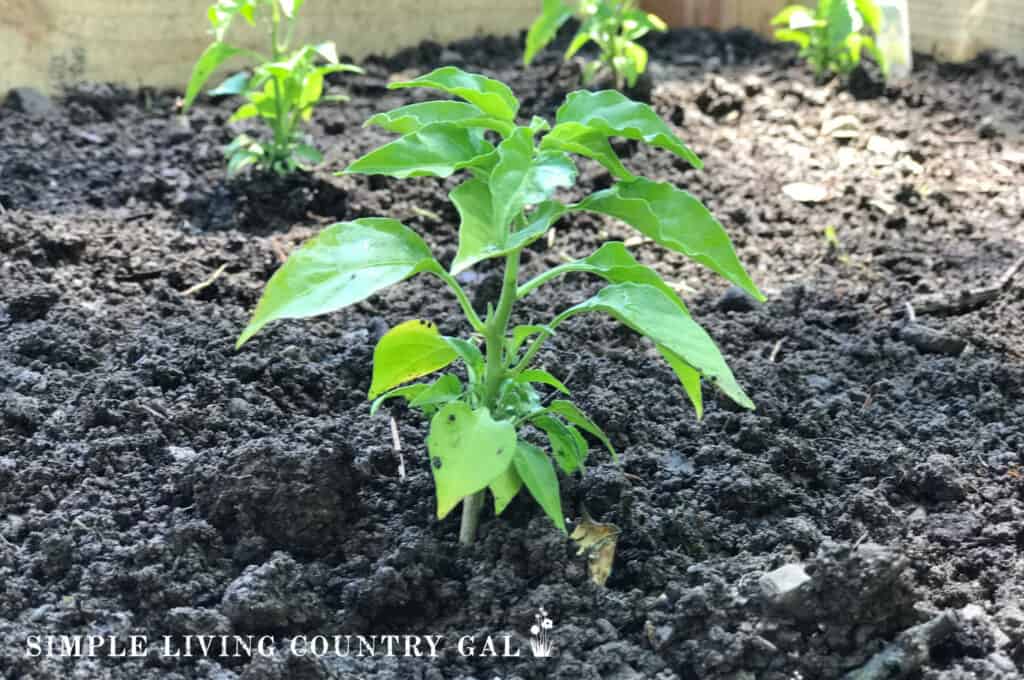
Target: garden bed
(154, 481)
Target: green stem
(541, 279)
(280, 124)
(471, 507)
(497, 324)
(460, 294)
(494, 372)
(531, 352)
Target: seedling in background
(282, 90)
(831, 37)
(480, 430)
(613, 25)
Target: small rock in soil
(29, 101)
(32, 303)
(272, 597)
(720, 98)
(932, 341)
(939, 479)
(197, 621)
(780, 583)
(735, 299)
(847, 587)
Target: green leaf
(637, 57)
(248, 110)
(471, 356)
(793, 36)
(615, 264)
(345, 263)
(408, 351)
(540, 376)
(411, 118)
(312, 89)
(570, 451)
(329, 51)
(637, 23)
(794, 16)
(408, 392)
(468, 450)
(517, 400)
(872, 14)
(840, 22)
(211, 58)
(505, 488)
(522, 178)
(651, 313)
(236, 84)
(443, 390)
(688, 376)
(481, 237)
(574, 415)
(521, 334)
(491, 96)
(242, 158)
(308, 154)
(538, 474)
(545, 28)
(676, 220)
(586, 141)
(614, 115)
(435, 150)
(584, 35)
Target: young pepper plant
(831, 36)
(282, 90)
(613, 25)
(478, 439)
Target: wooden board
(47, 43)
(956, 30)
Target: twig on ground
(775, 351)
(213, 277)
(909, 651)
(153, 412)
(968, 299)
(397, 445)
(279, 250)
(634, 241)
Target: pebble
(29, 101)
(782, 582)
(735, 299)
(931, 341)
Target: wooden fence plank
(47, 43)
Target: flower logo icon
(540, 644)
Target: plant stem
(543, 278)
(280, 140)
(497, 324)
(471, 507)
(460, 294)
(494, 372)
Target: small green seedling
(482, 429)
(613, 25)
(831, 37)
(282, 90)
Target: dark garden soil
(154, 481)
